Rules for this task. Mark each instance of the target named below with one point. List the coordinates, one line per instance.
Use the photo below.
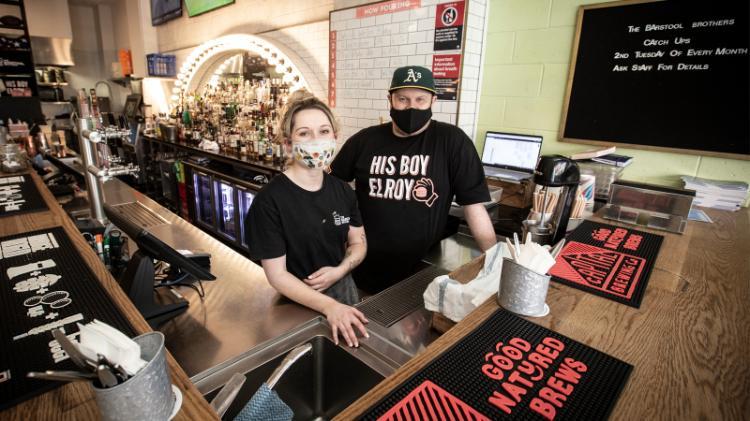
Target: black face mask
(410, 120)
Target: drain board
(140, 214)
(398, 301)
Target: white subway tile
(372, 114)
(468, 95)
(416, 37)
(473, 47)
(426, 24)
(399, 39)
(468, 107)
(374, 93)
(425, 48)
(381, 62)
(419, 13)
(364, 103)
(448, 107)
(465, 119)
(390, 29)
(471, 59)
(471, 72)
(381, 82)
(470, 84)
(383, 19)
(474, 35)
(373, 73)
(407, 27)
(366, 43)
(398, 61)
(400, 16)
(365, 22)
(407, 50)
(383, 41)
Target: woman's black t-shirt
(310, 228)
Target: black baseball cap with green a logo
(413, 77)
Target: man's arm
(480, 225)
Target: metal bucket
(523, 291)
(145, 396)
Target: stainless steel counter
(241, 311)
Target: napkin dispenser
(649, 205)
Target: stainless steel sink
(320, 384)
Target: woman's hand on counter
(323, 278)
(344, 319)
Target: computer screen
(514, 151)
(153, 247)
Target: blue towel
(265, 405)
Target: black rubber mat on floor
(44, 284)
(608, 261)
(510, 368)
(400, 300)
(19, 194)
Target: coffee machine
(562, 174)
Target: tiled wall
(369, 49)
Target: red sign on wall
(446, 69)
(446, 65)
(386, 7)
(449, 25)
(449, 15)
(332, 70)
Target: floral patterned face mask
(314, 154)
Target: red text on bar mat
(608, 261)
(19, 194)
(44, 285)
(509, 368)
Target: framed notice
(446, 71)
(665, 75)
(449, 25)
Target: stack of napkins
(98, 338)
(717, 194)
(454, 299)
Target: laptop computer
(510, 156)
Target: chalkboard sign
(666, 75)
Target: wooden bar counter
(688, 342)
(75, 401)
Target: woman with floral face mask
(304, 226)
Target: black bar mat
(402, 299)
(509, 368)
(44, 284)
(608, 261)
(18, 194)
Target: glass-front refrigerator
(246, 199)
(204, 213)
(226, 222)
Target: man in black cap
(407, 173)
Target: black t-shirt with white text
(310, 228)
(405, 187)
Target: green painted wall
(525, 71)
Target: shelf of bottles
(239, 115)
